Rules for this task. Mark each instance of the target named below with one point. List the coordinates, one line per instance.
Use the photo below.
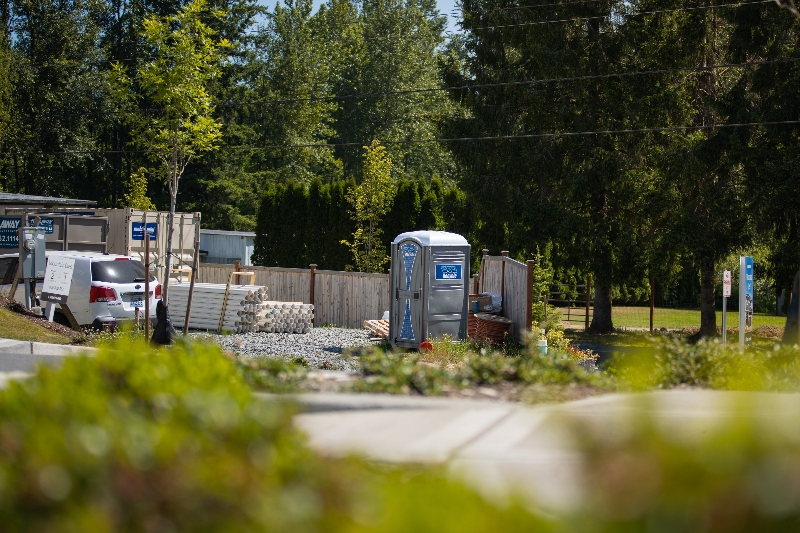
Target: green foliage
(732, 473)
(299, 225)
(318, 212)
(185, 60)
(461, 365)
(135, 439)
(369, 202)
(399, 373)
(674, 362)
(272, 374)
(91, 445)
(136, 198)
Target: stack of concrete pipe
(265, 316)
(247, 309)
(207, 304)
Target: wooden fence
(513, 281)
(347, 299)
(341, 299)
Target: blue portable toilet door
(408, 296)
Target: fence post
(588, 300)
(652, 300)
(312, 275)
(476, 285)
(504, 253)
(237, 266)
(484, 253)
(529, 309)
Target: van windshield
(118, 271)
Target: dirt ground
(77, 337)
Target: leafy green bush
(397, 372)
(272, 374)
(141, 440)
(736, 473)
(709, 363)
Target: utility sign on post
(746, 303)
(726, 293)
(57, 279)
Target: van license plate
(137, 302)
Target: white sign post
(57, 281)
(726, 293)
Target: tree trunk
(601, 317)
(708, 312)
(168, 261)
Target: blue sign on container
(137, 233)
(46, 223)
(8, 232)
(448, 272)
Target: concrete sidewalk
(504, 449)
(41, 348)
(19, 358)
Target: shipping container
(119, 231)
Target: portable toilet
(429, 287)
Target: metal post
(195, 260)
(312, 281)
(529, 309)
(724, 319)
(484, 253)
(652, 300)
(146, 283)
(504, 253)
(588, 301)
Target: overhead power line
(443, 140)
(510, 83)
(451, 88)
(599, 17)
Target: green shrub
(273, 374)
(735, 473)
(141, 440)
(487, 368)
(709, 363)
(397, 372)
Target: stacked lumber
(259, 314)
(246, 309)
(207, 304)
(379, 328)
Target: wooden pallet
(379, 328)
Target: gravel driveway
(321, 347)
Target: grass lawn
(17, 327)
(639, 317)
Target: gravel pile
(320, 347)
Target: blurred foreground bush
(141, 440)
(710, 364)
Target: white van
(106, 289)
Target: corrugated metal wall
(229, 247)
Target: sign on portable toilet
(429, 285)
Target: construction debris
(379, 328)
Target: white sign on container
(57, 279)
(726, 283)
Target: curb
(10, 346)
